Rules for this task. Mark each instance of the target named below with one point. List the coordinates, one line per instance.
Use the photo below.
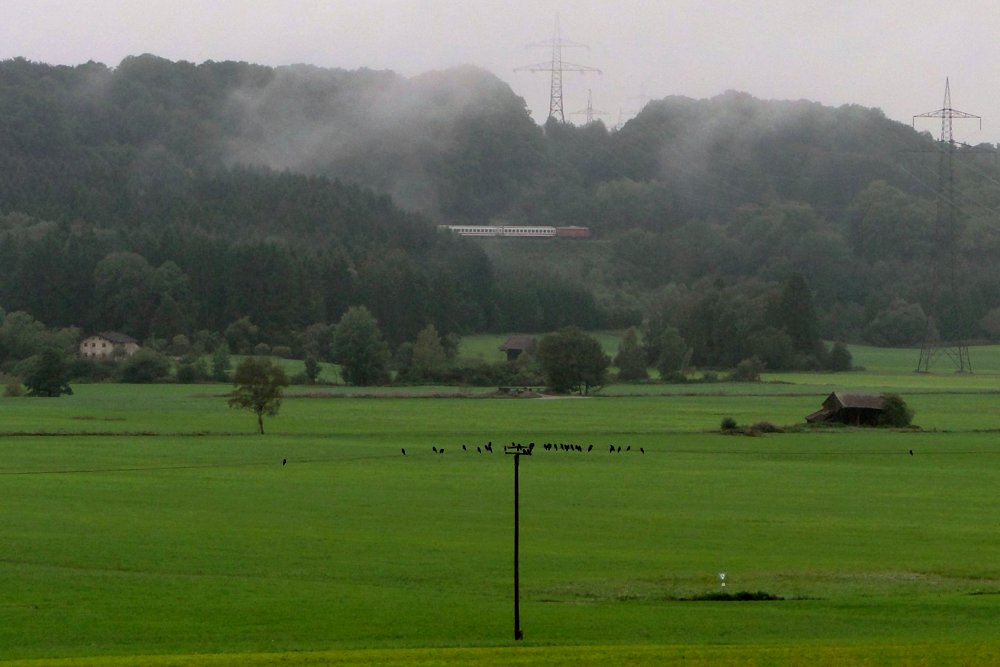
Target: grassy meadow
(149, 525)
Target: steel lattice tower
(944, 290)
(556, 66)
(590, 111)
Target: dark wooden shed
(854, 408)
(517, 344)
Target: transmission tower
(556, 66)
(590, 112)
(944, 302)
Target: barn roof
(855, 399)
(849, 406)
(518, 342)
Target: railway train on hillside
(522, 231)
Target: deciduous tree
(572, 360)
(146, 366)
(49, 374)
(258, 386)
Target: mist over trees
(165, 198)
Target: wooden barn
(516, 344)
(853, 408)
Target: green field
(148, 525)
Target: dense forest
(160, 198)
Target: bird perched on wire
(404, 451)
(284, 461)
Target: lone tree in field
(258, 385)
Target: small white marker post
(722, 580)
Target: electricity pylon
(590, 111)
(557, 66)
(944, 300)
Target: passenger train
(524, 231)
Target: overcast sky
(887, 54)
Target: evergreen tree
(796, 313)
(312, 370)
(428, 354)
(220, 363)
(631, 360)
(359, 349)
(672, 353)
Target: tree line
(166, 198)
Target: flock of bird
(530, 448)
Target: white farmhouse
(108, 345)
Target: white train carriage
(537, 231)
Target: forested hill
(458, 144)
(161, 197)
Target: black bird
(404, 452)
(441, 451)
(642, 450)
(590, 447)
(435, 449)
(612, 448)
(284, 461)
(619, 449)
(629, 448)
(479, 449)
(911, 452)
(464, 449)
